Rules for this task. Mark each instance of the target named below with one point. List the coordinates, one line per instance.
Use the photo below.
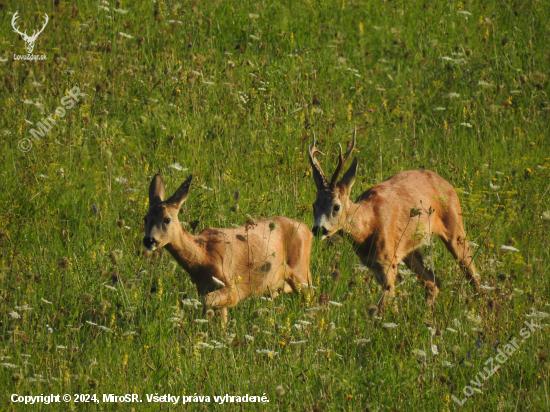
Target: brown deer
(390, 221)
(229, 265)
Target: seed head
(280, 390)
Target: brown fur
(251, 260)
(390, 221)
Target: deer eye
(336, 208)
(167, 220)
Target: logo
(29, 40)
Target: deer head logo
(29, 40)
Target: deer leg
(223, 315)
(415, 263)
(387, 274)
(219, 300)
(459, 248)
(275, 293)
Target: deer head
(161, 221)
(331, 205)
(29, 40)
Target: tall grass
(231, 92)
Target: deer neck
(356, 225)
(186, 250)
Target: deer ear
(348, 179)
(181, 194)
(156, 190)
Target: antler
(342, 160)
(16, 29)
(318, 175)
(34, 36)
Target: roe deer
(228, 265)
(390, 221)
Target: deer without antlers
(229, 265)
(29, 40)
(390, 221)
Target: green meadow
(231, 92)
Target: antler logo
(29, 40)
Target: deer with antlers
(390, 221)
(29, 40)
(228, 265)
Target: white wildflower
(485, 287)
(47, 302)
(191, 302)
(447, 59)
(201, 320)
(249, 338)
(477, 330)
(484, 83)
(297, 326)
(508, 248)
(303, 322)
(451, 330)
(464, 12)
(121, 179)
(306, 285)
(229, 337)
(446, 363)
(217, 281)
(105, 328)
(23, 308)
(537, 315)
(313, 309)
(435, 351)
(9, 365)
(267, 352)
(475, 320)
(298, 342)
(128, 36)
(452, 95)
(102, 8)
(253, 16)
(14, 315)
(362, 340)
(390, 325)
(438, 109)
(335, 303)
(204, 345)
(494, 187)
(129, 333)
(121, 11)
(545, 215)
(419, 352)
(466, 124)
(110, 287)
(61, 347)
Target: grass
(231, 91)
